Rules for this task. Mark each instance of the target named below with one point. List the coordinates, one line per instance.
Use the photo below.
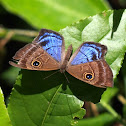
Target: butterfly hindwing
(45, 52)
(88, 65)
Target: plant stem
(4, 41)
(121, 99)
(110, 109)
(18, 34)
(29, 33)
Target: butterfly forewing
(52, 42)
(45, 53)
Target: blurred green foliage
(4, 118)
(53, 14)
(103, 120)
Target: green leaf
(4, 118)
(109, 94)
(35, 101)
(53, 14)
(100, 28)
(123, 75)
(101, 120)
(124, 112)
(10, 74)
(38, 102)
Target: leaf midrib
(50, 105)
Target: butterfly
(47, 52)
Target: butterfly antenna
(66, 78)
(51, 75)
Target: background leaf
(111, 92)
(10, 74)
(45, 13)
(101, 120)
(124, 111)
(4, 118)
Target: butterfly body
(47, 52)
(64, 64)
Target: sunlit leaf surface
(4, 118)
(53, 14)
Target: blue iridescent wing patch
(51, 42)
(89, 52)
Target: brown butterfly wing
(100, 72)
(95, 71)
(37, 56)
(27, 57)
